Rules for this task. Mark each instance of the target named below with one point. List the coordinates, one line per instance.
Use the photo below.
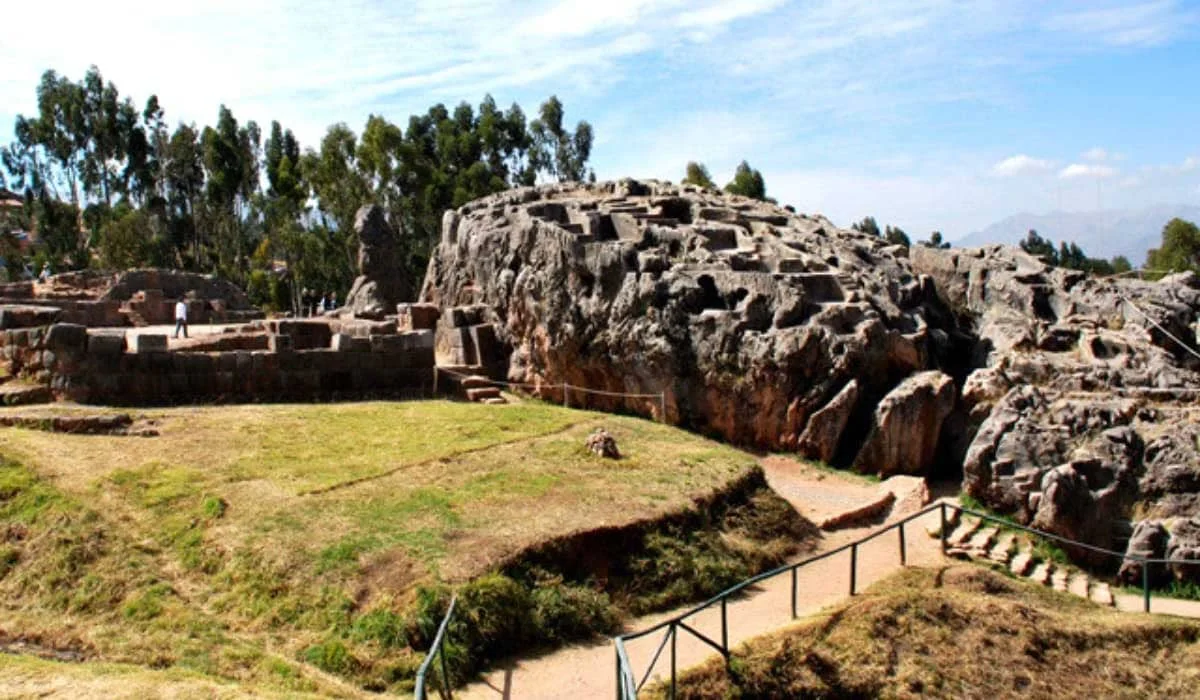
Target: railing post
(620, 685)
(449, 694)
(724, 630)
(942, 530)
(674, 635)
(565, 386)
(903, 550)
(853, 567)
(795, 576)
(1145, 585)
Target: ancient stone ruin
(381, 284)
(1065, 400)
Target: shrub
(382, 626)
(563, 612)
(331, 656)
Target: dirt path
(589, 671)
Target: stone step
(1079, 584)
(495, 401)
(962, 532)
(1102, 594)
(476, 381)
(1002, 550)
(1022, 564)
(1058, 580)
(21, 393)
(1042, 573)
(982, 540)
(482, 393)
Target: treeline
(108, 184)
(1071, 256)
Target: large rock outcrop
(381, 283)
(751, 319)
(1079, 417)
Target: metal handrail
(436, 649)
(628, 686)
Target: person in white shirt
(181, 317)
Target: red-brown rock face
(750, 318)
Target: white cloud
(1021, 165)
(1139, 24)
(1096, 154)
(1077, 170)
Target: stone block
(24, 316)
(388, 343)
(487, 347)
(454, 317)
(412, 317)
(149, 342)
(106, 344)
(67, 337)
(278, 342)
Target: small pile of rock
(602, 443)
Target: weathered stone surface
(147, 342)
(25, 315)
(380, 285)
(66, 337)
(908, 423)
(412, 317)
(749, 318)
(603, 444)
(820, 437)
(1149, 541)
(1077, 409)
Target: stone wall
(104, 366)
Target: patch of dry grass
(960, 632)
(245, 528)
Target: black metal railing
(628, 684)
(437, 649)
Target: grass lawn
(244, 531)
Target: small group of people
(313, 303)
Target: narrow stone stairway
(972, 539)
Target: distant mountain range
(1101, 234)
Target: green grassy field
(260, 544)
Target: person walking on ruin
(181, 317)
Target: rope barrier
(1154, 323)
(566, 389)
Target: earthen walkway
(589, 671)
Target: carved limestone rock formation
(750, 318)
(380, 284)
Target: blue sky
(924, 113)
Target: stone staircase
(479, 389)
(972, 539)
(20, 392)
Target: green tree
(867, 226)
(557, 152)
(697, 174)
(896, 236)
(1120, 264)
(935, 241)
(1039, 247)
(1180, 248)
(747, 182)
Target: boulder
(603, 444)
(907, 426)
(381, 284)
(819, 440)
